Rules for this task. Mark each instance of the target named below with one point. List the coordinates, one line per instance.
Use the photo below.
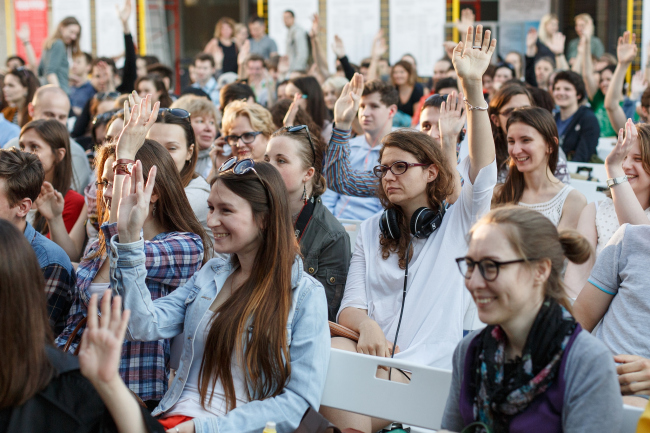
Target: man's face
(203, 70)
(255, 69)
(256, 30)
(100, 77)
(52, 106)
(7, 212)
(80, 66)
(374, 115)
(440, 69)
(288, 19)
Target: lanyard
(304, 217)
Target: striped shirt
(171, 259)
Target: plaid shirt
(171, 259)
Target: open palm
(626, 49)
(471, 63)
(134, 203)
(347, 105)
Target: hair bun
(576, 248)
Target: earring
(304, 193)
(154, 210)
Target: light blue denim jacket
(182, 311)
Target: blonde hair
(542, 34)
(220, 23)
(65, 22)
(197, 106)
(533, 236)
(337, 82)
(259, 117)
(643, 129)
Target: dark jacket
(325, 247)
(68, 404)
(580, 137)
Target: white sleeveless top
(607, 222)
(551, 209)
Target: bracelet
(123, 166)
(470, 107)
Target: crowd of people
(186, 264)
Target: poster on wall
(357, 34)
(80, 9)
(417, 27)
(303, 11)
(110, 35)
(34, 14)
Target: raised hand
(101, 343)
(466, 21)
(244, 51)
(531, 37)
(639, 84)
(315, 26)
(24, 33)
(50, 202)
(452, 119)
(626, 139)
(139, 117)
(347, 106)
(626, 49)
(338, 47)
(134, 203)
(379, 46)
(471, 63)
(125, 11)
(557, 43)
(290, 117)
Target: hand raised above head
(452, 117)
(626, 139)
(626, 49)
(139, 117)
(472, 57)
(347, 106)
(134, 203)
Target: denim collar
(30, 232)
(222, 265)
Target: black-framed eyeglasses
(176, 112)
(299, 128)
(397, 168)
(246, 138)
(104, 185)
(102, 96)
(240, 167)
(488, 268)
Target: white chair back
(593, 191)
(352, 385)
(605, 146)
(352, 227)
(631, 417)
(594, 172)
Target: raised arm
(451, 123)
(588, 69)
(317, 51)
(129, 73)
(627, 206)
(557, 47)
(626, 52)
(339, 50)
(24, 36)
(379, 48)
(470, 64)
(340, 176)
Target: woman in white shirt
(414, 175)
(533, 149)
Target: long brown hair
(498, 101)
(533, 236)
(187, 172)
(251, 324)
(65, 22)
(425, 150)
(57, 137)
(543, 122)
(24, 326)
(172, 205)
(29, 81)
(156, 80)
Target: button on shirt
(362, 158)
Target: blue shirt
(60, 278)
(362, 158)
(562, 124)
(211, 88)
(79, 96)
(8, 130)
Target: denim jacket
(182, 311)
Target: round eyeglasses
(246, 138)
(488, 268)
(397, 168)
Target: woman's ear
(190, 151)
(432, 173)
(542, 270)
(154, 198)
(309, 174)
(495, 119)
(60, 154)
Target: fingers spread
(92, 313)
(105, 318)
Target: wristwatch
(615, 181)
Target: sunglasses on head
(298, 128)
(176, 112)
(240, 167)
(102, 96)
(105, 117)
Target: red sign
(34, 14)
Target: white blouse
(551, 209)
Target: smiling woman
(248, 128)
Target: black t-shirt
(418, 92)
(229, 57)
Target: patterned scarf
(503, 389)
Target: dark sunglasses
(240, 167)
(105, 117)
(102, 96)
(397, 168)
(176, 112)
(246, 138)
(298, 128)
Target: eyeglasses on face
(298, 128)
(488, 268)
(246, 138)
(397, 168)
(104, 185)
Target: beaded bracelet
(123, 166)
(470, 107)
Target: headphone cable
(401, 313)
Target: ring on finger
(477, 47)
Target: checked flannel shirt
(171, 259)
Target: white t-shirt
(436, 300)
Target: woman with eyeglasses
(415, 181)
(247, 128)
(59, 212)
(533, 151)
(324, 243)
(18, 90)
(173, 130)
(502, 104)
(533, 368)
(174, 242)
(254, 327)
